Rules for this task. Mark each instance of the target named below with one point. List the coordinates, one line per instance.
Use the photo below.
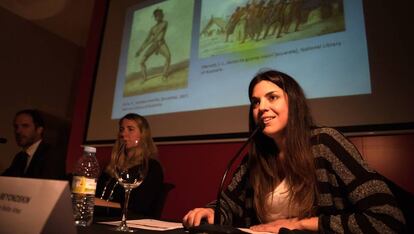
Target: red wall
(195, 169)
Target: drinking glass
(129, 178)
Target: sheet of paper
(150, 224)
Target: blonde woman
(135, 144)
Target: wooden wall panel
(392, 156)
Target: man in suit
(37, 159)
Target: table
(98, 228)
(103, 228)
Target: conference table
(103, 228)
(98, 227)
(176, 228)
(106, 214)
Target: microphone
(3, 140)
(122, 147)
(217, 227)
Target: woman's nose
(263, 105)
(122, 134)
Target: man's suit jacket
(47, 163)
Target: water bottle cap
(89, 149)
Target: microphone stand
(217, 227)
(121, 148)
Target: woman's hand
(193, 217)
(276, 225)
(310, 224)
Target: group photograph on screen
(189, 62)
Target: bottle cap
(89, 149)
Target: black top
(143, 200)
(48, 162)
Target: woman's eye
(273, 97)
(255, 103)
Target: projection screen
(186, 64)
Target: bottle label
(83, 185)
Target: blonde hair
(146, 147)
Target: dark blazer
(47, 163)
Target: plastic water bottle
(83, 187)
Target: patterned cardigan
(352, 198)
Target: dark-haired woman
(300, 177)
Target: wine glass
(129, 178)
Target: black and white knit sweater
(352, 198)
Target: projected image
(321, 43)
(157, 61)
(231, 26)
